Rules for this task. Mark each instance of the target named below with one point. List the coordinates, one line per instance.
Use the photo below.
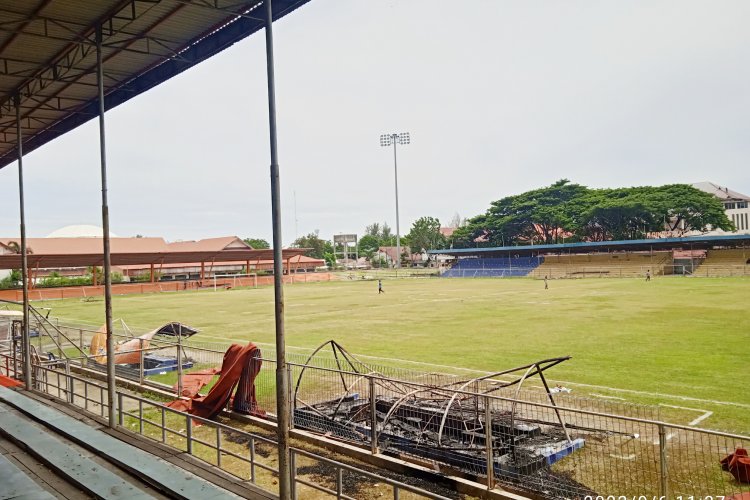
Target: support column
(203, 271)
(111, 381)
(24, 261)
(152, 273)
(282, 381)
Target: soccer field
(676, 342)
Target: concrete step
(37, 473)
(64, 459)
(162, 475)
(16, 484)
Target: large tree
(574, 212)
(318, 247)
(685, 208)
(257, 243)
(425, 235)
(368, 245)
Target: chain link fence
(526, 437)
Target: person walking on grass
(380, 287)
(648, 274)
(546, 285)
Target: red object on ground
(738, 464)
(9, 382)
(240, 365)
(193, 382)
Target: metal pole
(282, 382)
(25, 344)
(373, 418)
(141, 360)
(663, 473)
(111, 381)
(398, 230)
(179, 360)
(552, 400)
(488, 442)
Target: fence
(16, 295)
(246, 455)
(574, 271)
(509, 435)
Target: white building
(736, 205)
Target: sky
(499, 97)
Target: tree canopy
(572, 212)
(257, 243)
(318, 247)
(376, 235)
(425, 234)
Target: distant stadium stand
(725, 263)
(704, 255)
(493, 267)
(615, 265)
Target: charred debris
(441, 420)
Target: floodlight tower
(388, 140)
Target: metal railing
(574, 447)
(606, 453)
(190, 434)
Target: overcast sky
(499, 96)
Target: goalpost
(235, 280)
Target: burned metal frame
(432, 411)
(459, 392)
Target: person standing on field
(546, 285)
(380, 287)
(648, 274)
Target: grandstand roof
(723, 193)
(53, 261)
(692, 242)
(48, 56)
(79, 231)
(83, 252)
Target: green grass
(686, 337)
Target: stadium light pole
(392, 140)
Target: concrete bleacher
(614, 265)
(719, 263)
(493, 267)
(98, 464)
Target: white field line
(666, 438)
(697, 420)
(631, 391)
(564, 382)
(606, 397)
(661, 395)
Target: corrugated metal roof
(723, 193)
(78, 252)
(53, 261)
(73, 246)
(48, 56)
(602, 246)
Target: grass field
(674, 341)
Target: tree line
(562, 212)
(424, 234)
(567, 212)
